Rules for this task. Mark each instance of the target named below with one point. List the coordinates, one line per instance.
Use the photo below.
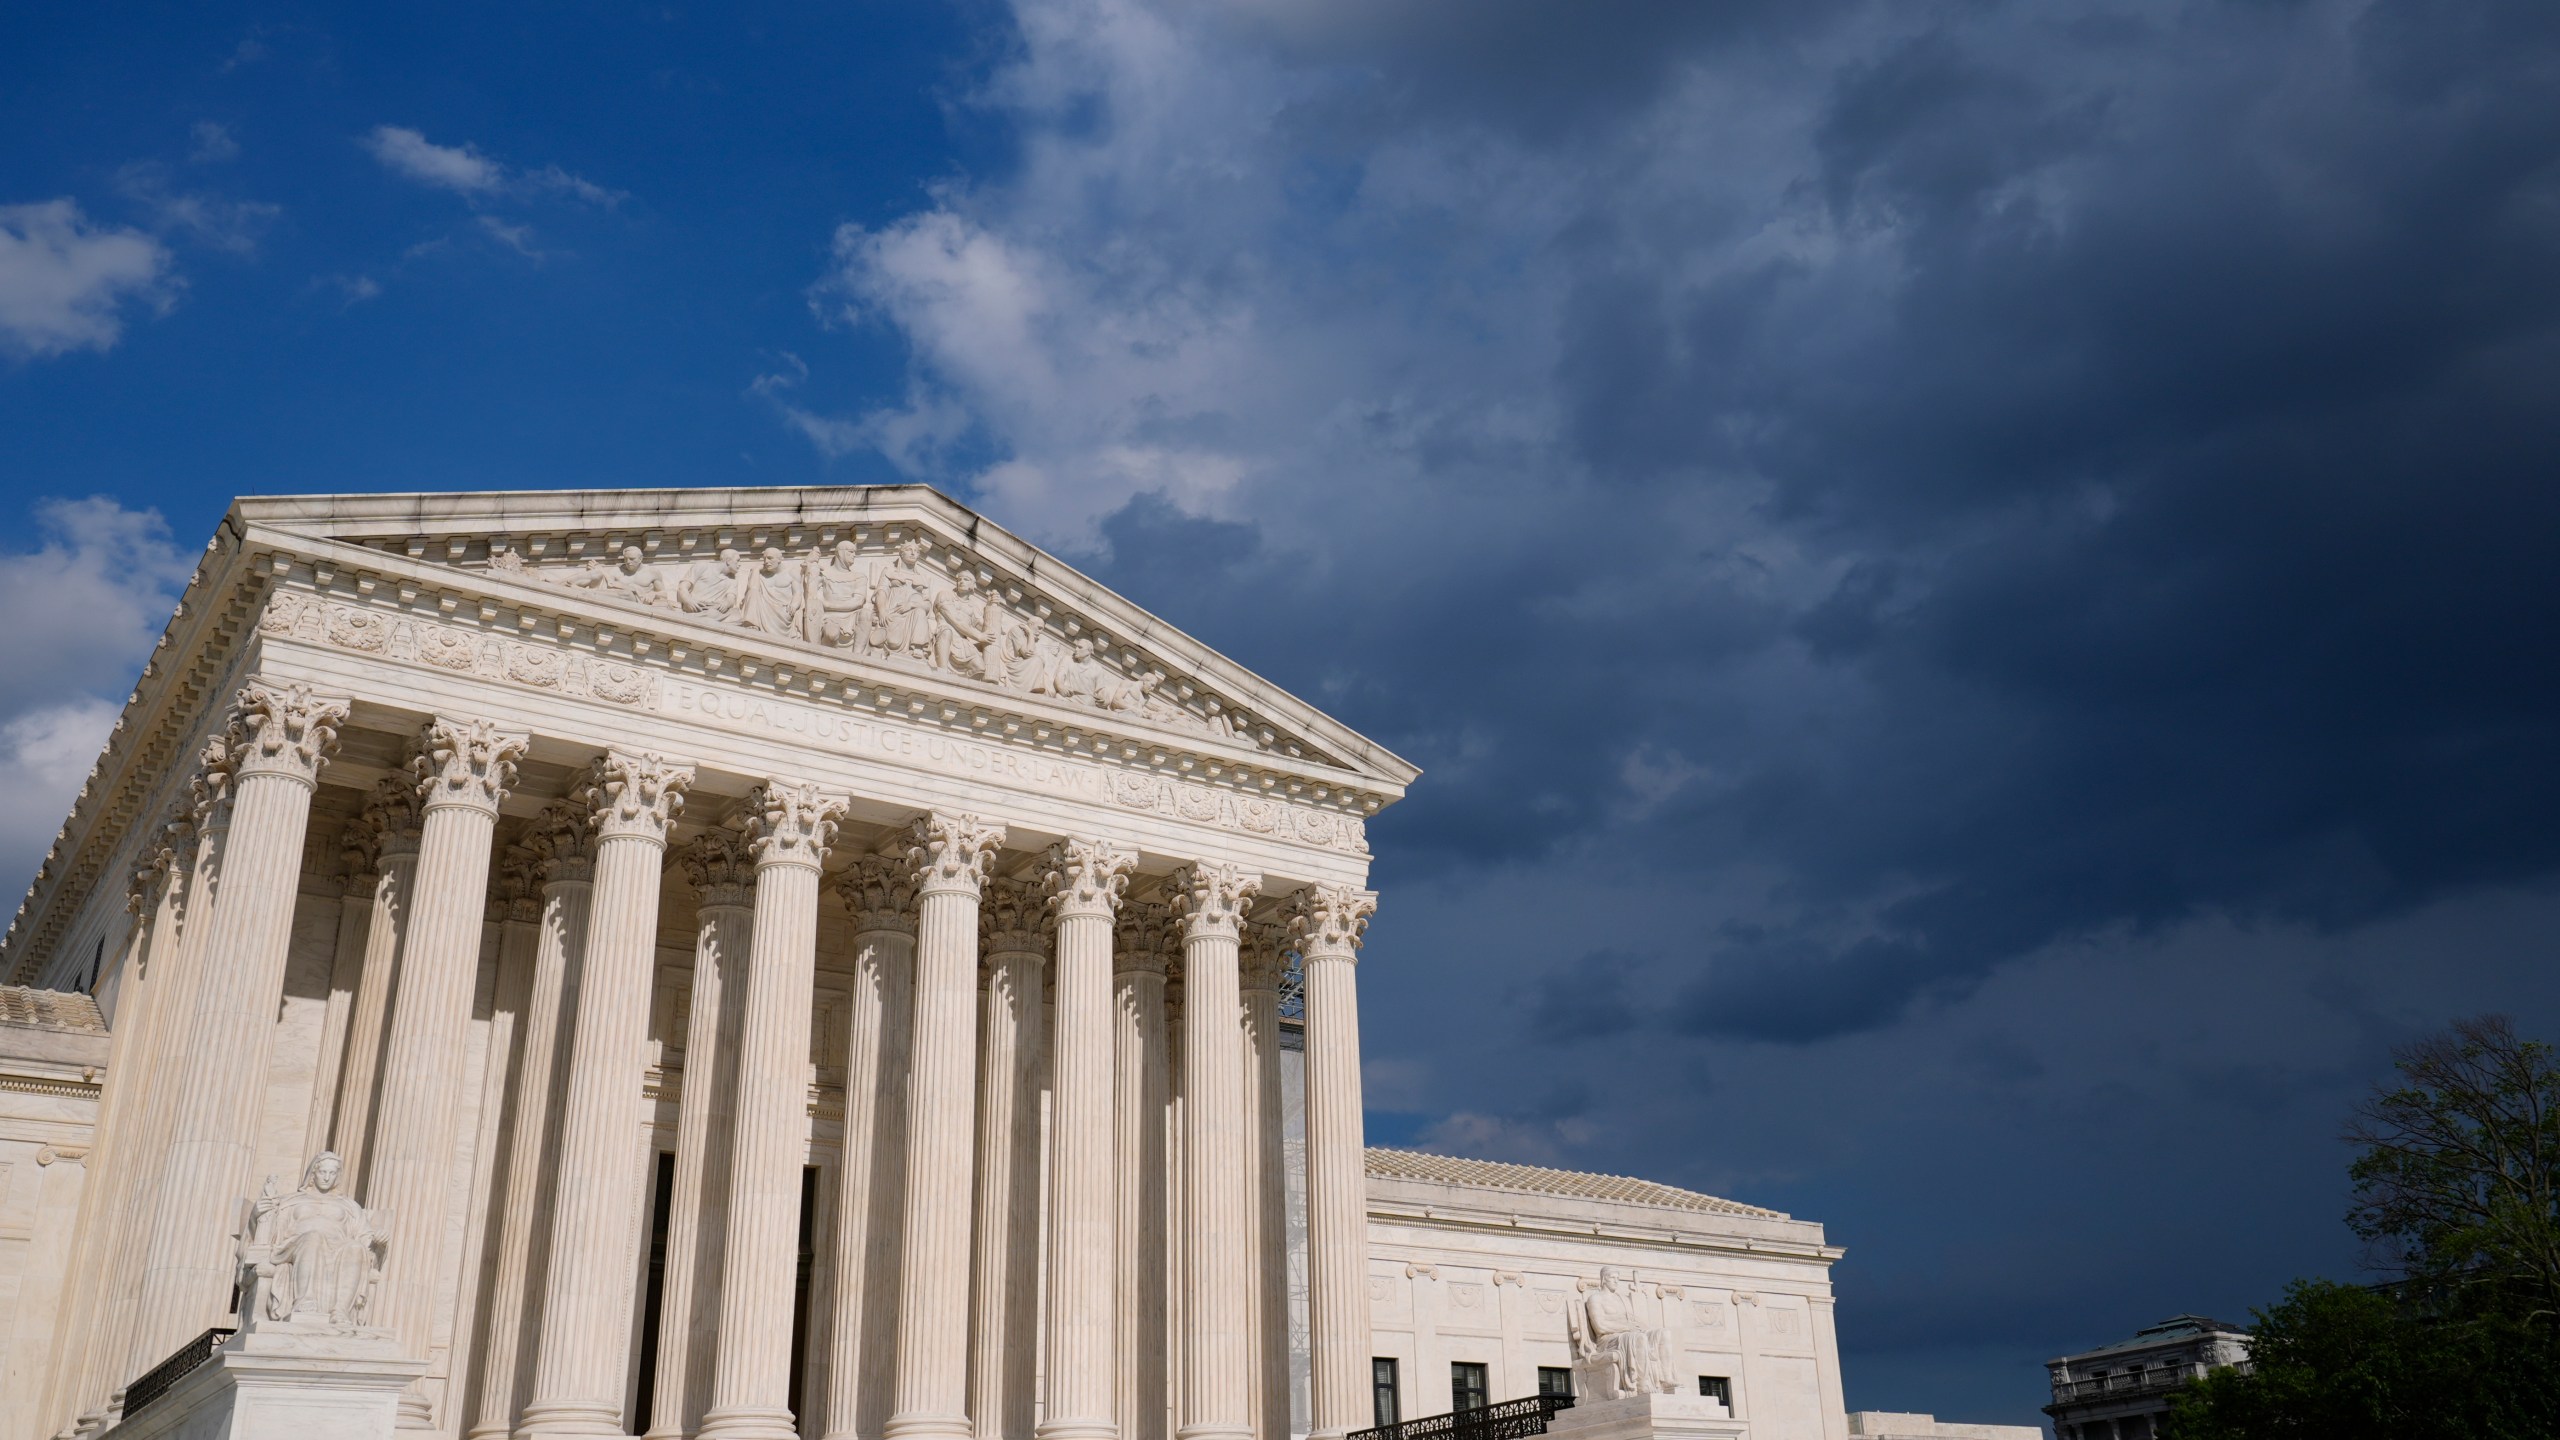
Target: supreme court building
(763, 962)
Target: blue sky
(1971, 582)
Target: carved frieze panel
(890, 595)
(576, 675)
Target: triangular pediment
(887, 580)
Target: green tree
(2457, 1197)
(2459, 1183)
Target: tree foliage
(2457, 1196)
(2459, 1182)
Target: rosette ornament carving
(465, 762)
(1211, 897)
(562, 843)
(881, 892)
(1087, 877)
(791, 822)
(636, 795)
(1009, 917)
(1329, 920)
(719, 868)
(952, 853)
(287, 731)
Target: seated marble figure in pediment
(904, 606)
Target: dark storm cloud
(2175, 394)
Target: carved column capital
(881, 892)
(465, 762)
(635, 795)
(562, 843)
(1087, 877)
(791, 822)
(515, 891)
(287, 731)
(1143, 939)
(1210, 898)
(209, 789)
(1265, 955)
(952, 853)
(1328, 921)
(1009, 916)
(390, 820)
(717, 865)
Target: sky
(1972, 582)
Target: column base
(1215, 1430)
(568, 1417)
(748, 1422)
(928, 1427)
(1647, 1417)
(1076, 1430)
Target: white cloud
(45, 755)
(85, 607)
(462, 169)
(213, 143)
(518, 238)
(65, 282)
(215, 220)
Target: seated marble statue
(311, 1257)
(1615, 1354)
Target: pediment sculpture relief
(310, 1259)
(901, 608)
(1617, 1352)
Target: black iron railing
(1510, 1420)
(160, 1379)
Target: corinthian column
(951, 855)
(1001, 1326)
(392, 816)
(463, 768)
(723, 879)
(1139, 1098)
(789, 828)
(871, 1193)
(1326, 921)
(1216, 1404)
(359, 851)
(586, 1328)
(282, 735)
(563, 847)
(1085, 878)
(1266, 1184)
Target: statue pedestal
(283, 1382)
(1646, 1417)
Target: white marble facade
(765, 963)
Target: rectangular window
(1718, 1389)
(1466, 1386)
(1382, 1391)
(1554, 1380)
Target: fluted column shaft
(789, 828)
(1326, 922)
(565, 850)
(578, 1370)
(285, 736)
(182, 961)
(871, 1194)
(346, 977)
(1085, 879)
(951, 855)
(392, 812)
(1266, 1190)
(722, 877)
(1008, 1150)
(106, 1196)
(1215, 1398)
(1139, 1099)
(463, 768)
